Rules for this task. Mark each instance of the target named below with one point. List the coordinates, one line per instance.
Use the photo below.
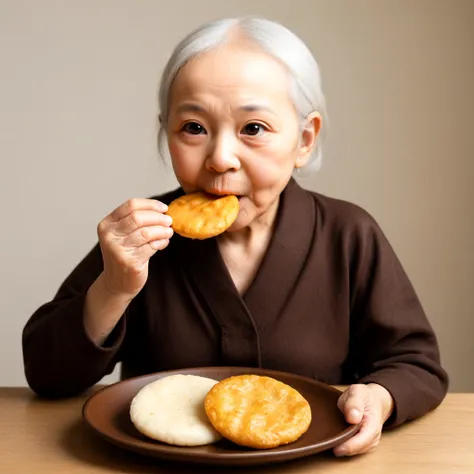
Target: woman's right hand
(128, 237)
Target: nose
(222, 155)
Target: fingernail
(162, 207)
(340, 453)
(168, 220)
(354, 413)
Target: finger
(141, 255)
(139, 219)
(137, 204)
(159, 244)
(145, 252)
(352, 403)
(146, 235)
(374, 445)
(365, 440)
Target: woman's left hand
(371, 405)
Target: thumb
(352, 403)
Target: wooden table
(39, 436)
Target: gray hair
(273, 38)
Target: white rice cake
(171, 410)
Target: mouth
(216, 193)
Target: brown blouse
(330, 301)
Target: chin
(243, 220)
(238, 224)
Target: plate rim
(170, 453)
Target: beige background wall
(77, 136)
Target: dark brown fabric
(330, 301)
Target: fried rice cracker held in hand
(202, 216)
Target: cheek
(272, 166)
(185, 160)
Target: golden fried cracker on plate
(256, 411)
(201, 216)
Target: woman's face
(232, 129)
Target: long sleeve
(59, 357)
(392, 341)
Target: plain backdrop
(78, 87)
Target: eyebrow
(190, 107)
(256, 108)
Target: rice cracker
(171, 410)
(202, 216)
(257, 412)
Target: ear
(308, 138)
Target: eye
(253, 129)
(193, 128)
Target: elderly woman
(300, 282)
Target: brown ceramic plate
(107, 413)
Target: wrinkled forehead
(231, 70)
